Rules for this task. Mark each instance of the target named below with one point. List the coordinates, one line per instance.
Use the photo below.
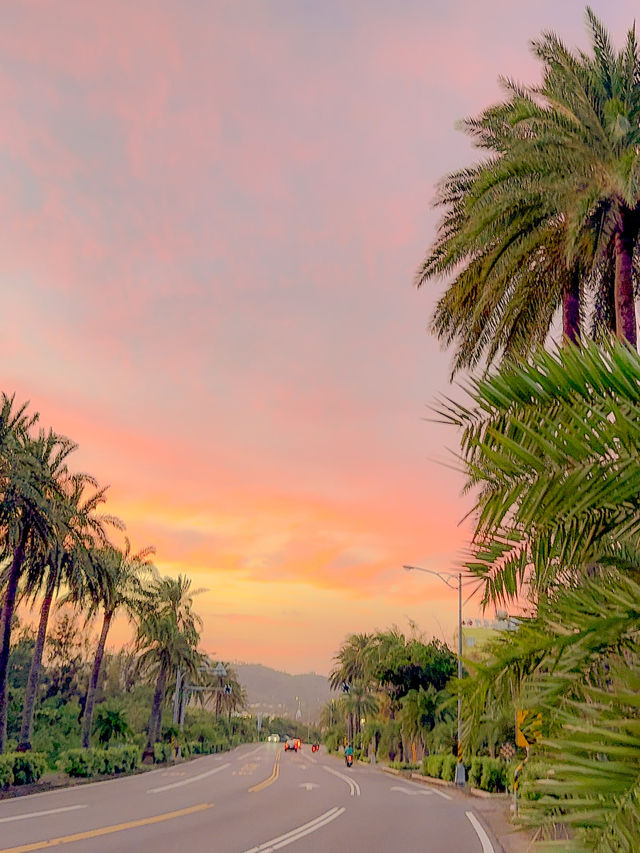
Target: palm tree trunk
(571, 310)
(87, 719)
(625, 305)
(7, 619)
(36, 665)
(155, 720)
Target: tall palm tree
(351, 660)
(552, 211)
(122, 584)
(26, 498)
(168, 636)
(66, 560)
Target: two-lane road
(255, 799)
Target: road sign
(532, 730)
(220, 670)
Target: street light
(460, 778)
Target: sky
(211, 216)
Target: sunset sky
(211, 216)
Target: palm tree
(553, 447)
(167, 640)
(122, 584)
(351, 660)
(76, 529)
(553, 212)
(111, 723)
(26, 498)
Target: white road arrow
(308, 785)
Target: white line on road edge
(354, 788)
(188, 781)
(487, 846)
(40, 814)
(298, 832)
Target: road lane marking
(40, 814)
(487, 846)
(103, 830)
(435, 791)
(296, 833)
(354, 788)
(248, 754)
(412, 792)
(308, 785)
(266, 782)
(187, 781)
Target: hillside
(274, 692)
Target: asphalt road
(255, 799)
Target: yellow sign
(534, 729)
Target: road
(256, 799)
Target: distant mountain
(274, 693)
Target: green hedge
(99, 762)
(432, 765)
(489, 774)
(21, 768)
(6, 771)
(162, 752)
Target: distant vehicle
(291, 744)
(315, 747)
(274, 738)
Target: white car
(274, 738)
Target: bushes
(98, 762)
(6, 771)
(432, 765)
(162, 752)
(448, 772)
(494, 775)
(489, 774)
(21, 768)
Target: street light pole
(461, 776)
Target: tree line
(55, 548)
(392, 695)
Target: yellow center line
(274, 775)
(104, 830)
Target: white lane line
(249, 754)
(40, 814)
(354, 788)
(297, 832)
(188, 781)
(487, 846)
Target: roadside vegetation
(546, 227)
(62, 691)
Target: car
(274, 738)
(291, 745)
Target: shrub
(432, 765)
(448, 771)
(99, 762)
(162, 752)
(28, 767)
(493, 775)
(475, 771)
(6, 771)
